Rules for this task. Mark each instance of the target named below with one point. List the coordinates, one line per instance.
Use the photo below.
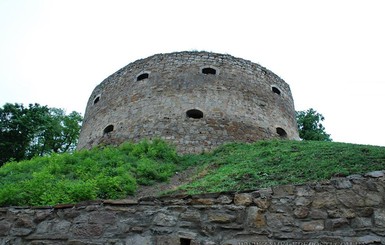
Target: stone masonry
(195, 100)
(340, 211)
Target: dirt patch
(177, 180)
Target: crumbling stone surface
(303, 213)
(170, 96)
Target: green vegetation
(239, 166)
(101, 173)
(36, 130)
(310, 126)
(115, 172)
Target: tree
(36, 130)
(310, 126)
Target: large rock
(255, 217)
(325, 200)
(221, 217)
(244, 199)
(87, 230)
(162, 219)
(4, 227)
(316, 225)
(379, 217)
(375, 174)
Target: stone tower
(195, 100)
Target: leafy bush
(100, 173)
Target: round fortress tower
(194, 100)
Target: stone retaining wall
(340, 211)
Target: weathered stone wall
(149, 98)
(341, 210)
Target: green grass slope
(239, 166)
(116, 172)
(101, 173)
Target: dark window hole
(108, 129)
(185, 241)
(194, 113)
(209, 70)
(281, 132)
(96, 100)
(142, 77)
(276, 90)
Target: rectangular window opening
(185, 241)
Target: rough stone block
(341, 213)
(364, 212)
(280, 206)
(244, 199)
(262, 203)
(51, 229)
(203, 201)
(379, 217)
(302, 201)
(102, 218)
(87, 230)
(220, 217)
(324, 200)
(279, 221)
(190, 215)
(374, 199)
(342, 183)
(4, 228)
(301, 212)
(318, 214)
(316, 225)
(158, 230)
(369, 239)
(375, 174)
(138, 239)
(24, 221)
(361, 222)
(255, 217)
(162, 219)
(332, 224)
(283, 190)
(20, 231)
(121, 202)
(224, 199)
(350, 198)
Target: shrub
(100, 173)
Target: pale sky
(330, 52)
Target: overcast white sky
(331, 53)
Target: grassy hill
(239, 166)
(116, 172)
